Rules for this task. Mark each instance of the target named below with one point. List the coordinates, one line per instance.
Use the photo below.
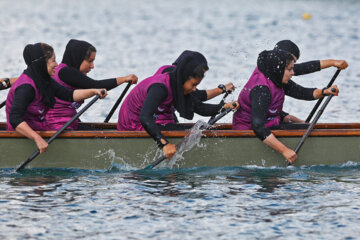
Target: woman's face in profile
(288, 73)
(51, 65)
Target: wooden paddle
(117, 103)
(210, 123)
(321, 99)
(312, 125)
(37, 152)
(2, 104)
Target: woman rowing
(77, 62)
(33, 94)
(305, 68)
(263, 96)
(203, 95)
(150, 105)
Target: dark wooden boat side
(334, 143)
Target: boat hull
(135, 150)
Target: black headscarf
(37, 71)
(272, 64)
(187, 53)
(182, 56)
(75, 53)
(288, 46)
(186, 67)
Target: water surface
(199, 203)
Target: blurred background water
(139, 36)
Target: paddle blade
(23, 165)
(149, 167)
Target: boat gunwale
(178, 134)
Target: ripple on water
(222, 199)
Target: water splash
(109, 156)
(191, 140)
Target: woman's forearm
(340, 64)
(24, 129)
(292, 119)
(81, 94)
(275, 144)
(211, 93)
(319, 93)
(130, 78)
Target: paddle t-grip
(333, 90)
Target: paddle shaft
(321, 99)
(312, 125)
(2, 104)
(210, 123)
(117, 103)
(221, 102)
(37, 152)
(218, 117)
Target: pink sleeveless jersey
(129, 114)
(242, 118)
(63, 111)
(162, 68)
(36, 110)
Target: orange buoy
(306, 16)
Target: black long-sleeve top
(156, 94)
(25, 94)
(200, 94)
(307, 67)
(260, 99)
(77, 79)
